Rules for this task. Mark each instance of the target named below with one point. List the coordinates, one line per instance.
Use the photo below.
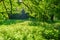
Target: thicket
(43, 10)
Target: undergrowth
(28, 30)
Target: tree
(44, 9)
(11, 5)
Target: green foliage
(23, 30)
(40, 9)
(35, 29)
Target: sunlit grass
(28, 30)
(20, 31)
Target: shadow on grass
(9, 22)
(39, 23)
(34, 23)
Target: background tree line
(42, 10)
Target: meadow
(28, 30)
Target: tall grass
(28, 30)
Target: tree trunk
(11, 5)
(5, 7)
(52, 17)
